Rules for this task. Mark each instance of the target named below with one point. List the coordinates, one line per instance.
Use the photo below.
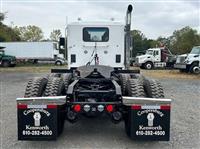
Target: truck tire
(195, 69)
(58, 63)
(123, 81)
(52, 75)
(6, 63)
(35, 87)
(135, 89)
(138, 77)
(153, 89)
(67, 80)
(148, 65)
(55, 87)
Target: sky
(153, 17)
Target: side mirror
(62, 42)
(196, 56)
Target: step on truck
(97, 83)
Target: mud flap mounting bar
(140, 100)
(40, 100)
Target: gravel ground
(101, 133)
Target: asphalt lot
(101, 133)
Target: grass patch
(173, 74)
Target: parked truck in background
(6, 60)
(155, 58)
(36, 52)
(189, 62)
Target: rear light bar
(94, 108)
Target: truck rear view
(98, 82)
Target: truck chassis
(122, 96)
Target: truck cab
(95, 43)
(6, 60)
(148, 60)
(189, 62)
(154, 54)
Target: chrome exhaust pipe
(128, 15)
(128, 37)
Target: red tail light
(165, 107)
(53, 106)
(22, 106)
(136, 107)
(109, 108)
(77, 108)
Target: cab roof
(103, 23)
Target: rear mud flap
(40, 121)
(149, 122)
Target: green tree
(29, 33)
(2, 17)
(55, 35)
(6, 32)
(141, 43)
(138, 38)
(162, 41)
(184, 39)
(153, 43)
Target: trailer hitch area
(148, 118)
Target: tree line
(25, 33)
(181, 41)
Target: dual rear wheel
(141, 88)
(51, 85)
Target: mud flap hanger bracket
(128, 101)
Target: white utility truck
(155, 58)
(44, 52)
(98, 82)
(189, 62)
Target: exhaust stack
(128, 37)
(128, 17)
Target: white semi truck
(155, 58)
(98, 82)
(189, 62)
(44, 52)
